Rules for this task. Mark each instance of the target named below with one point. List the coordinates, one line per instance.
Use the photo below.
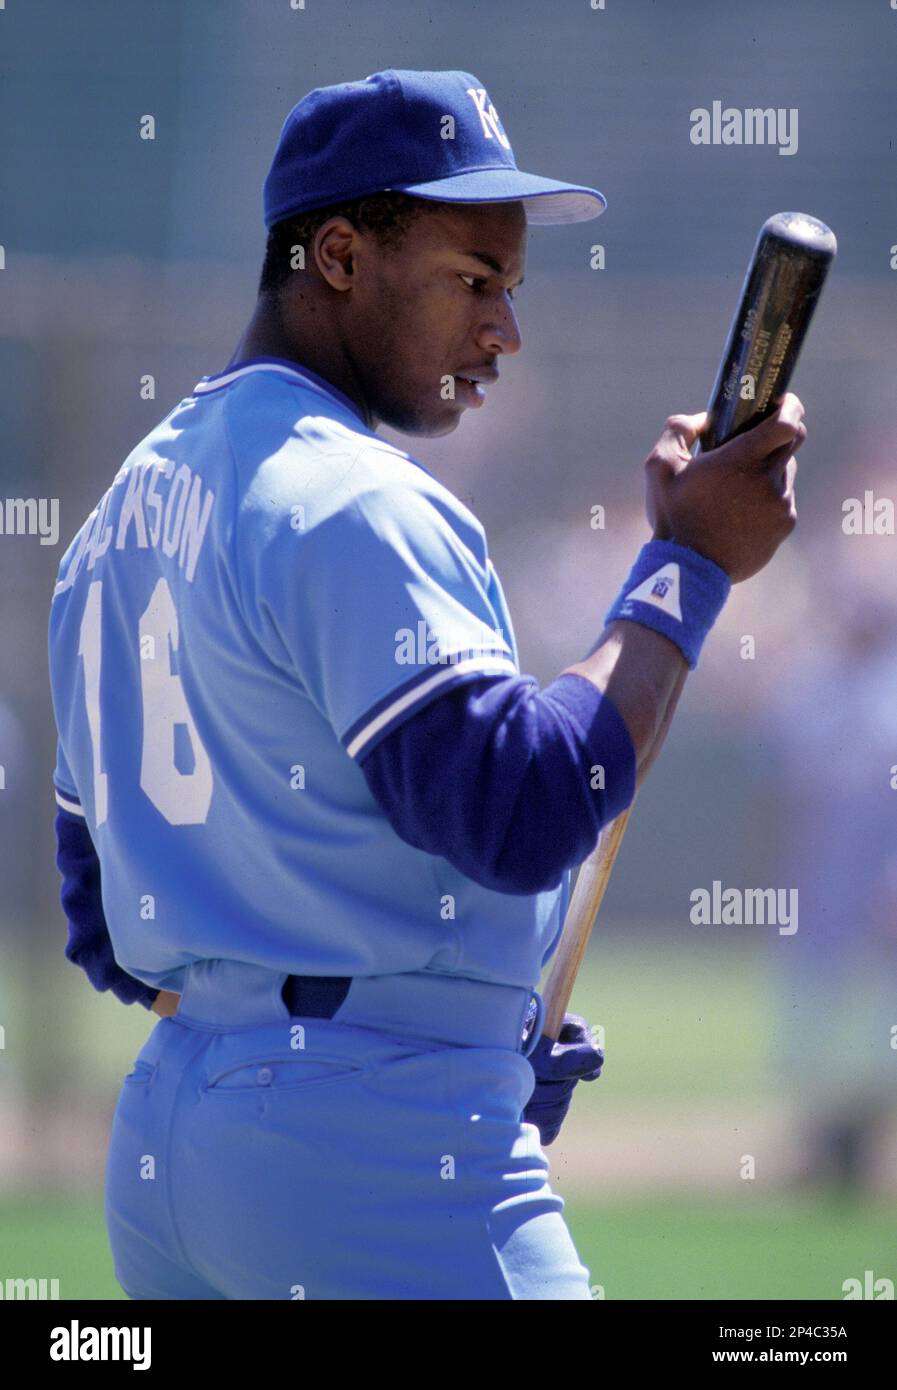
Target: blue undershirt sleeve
(88, 943)
(511, 784)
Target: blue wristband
(676, 591)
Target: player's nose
(502, 333)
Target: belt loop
(533, 1032)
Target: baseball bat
(791, 258)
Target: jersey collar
(303, 376)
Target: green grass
(655, 1249)
(683, 1024)
(785, 1248)
(58, 1238)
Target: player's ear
(334, 249)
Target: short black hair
(388, 215)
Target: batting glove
(558, 1067)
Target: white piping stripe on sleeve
(486, 665)
(70, 806)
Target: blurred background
(742, 1141)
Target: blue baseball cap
(432, 135)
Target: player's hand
(165, 1003)
(734, 504)
(558, 1067)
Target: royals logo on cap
(492, 127)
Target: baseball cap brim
(546, 201)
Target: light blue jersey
(265, 591)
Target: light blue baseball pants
(374, 1155)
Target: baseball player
(309, 810)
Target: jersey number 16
(183, 798)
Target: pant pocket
(275, 1074)
(140, 1074)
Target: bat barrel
(788, 267)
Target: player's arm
(512, 784)
(89, 945)
(731, 507)
(644, 674)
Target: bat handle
(591, 884)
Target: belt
(447, 1009)
(314, 996)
